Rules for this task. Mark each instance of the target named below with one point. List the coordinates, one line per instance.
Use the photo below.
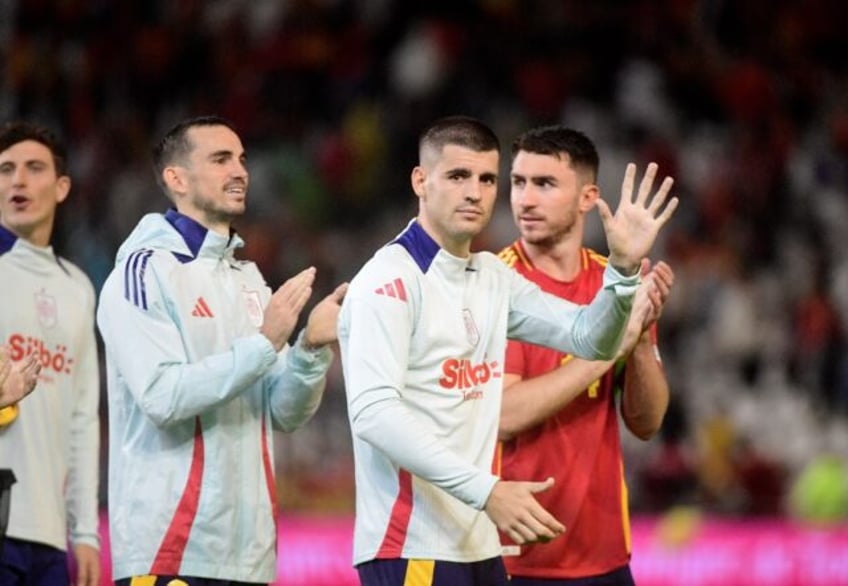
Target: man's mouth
(237, 189)
(529, 219)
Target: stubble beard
(218, 214)
(553, 234)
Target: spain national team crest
(254, 307)
(471, 331)
(45, 308)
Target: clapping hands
(17, 379)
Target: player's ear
(418, 178)
(174, 179)
(589, 195)
(63, 188)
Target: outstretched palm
(631, 232)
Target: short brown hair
(13, 133)
(175, 145)
(463, 131)
(558, 140)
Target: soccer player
(51, 440)
(558, 416)
(423, 334)
(200, 374)
(17, 379)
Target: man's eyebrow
(534, 178)
(221, 153)
(548, 178)
(27, 163)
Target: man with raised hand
(423, 333)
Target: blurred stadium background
(745, 103)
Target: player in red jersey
(559, 414)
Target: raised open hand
(631, 232)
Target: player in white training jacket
(423, 333)
(199, 375)
(50, 439)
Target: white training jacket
(194, 392)
(423, 338)
(53, 447)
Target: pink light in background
(727, 552)
(316, 551)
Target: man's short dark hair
(14, 132)
(556, 140)
(175, 145)
(463, 131)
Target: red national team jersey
(579, 447)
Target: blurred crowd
(744, 103)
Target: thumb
(542, 486)
(646, 267)
(340, 292)
(641, 310)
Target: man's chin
(535, 238)
(236, 209)
(19, 223)
(472, 230)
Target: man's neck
(560, 261)
(458, 247)
(37, 236)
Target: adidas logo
(394, 289)
(201, 309)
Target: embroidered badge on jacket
(253, 306)
(471, 331)
(45, 306)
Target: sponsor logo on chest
(463, 375)
(56, 359)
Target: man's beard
(217, 214)
(554, 235)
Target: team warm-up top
(49, 310)
(424, 395)
(194, 394)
